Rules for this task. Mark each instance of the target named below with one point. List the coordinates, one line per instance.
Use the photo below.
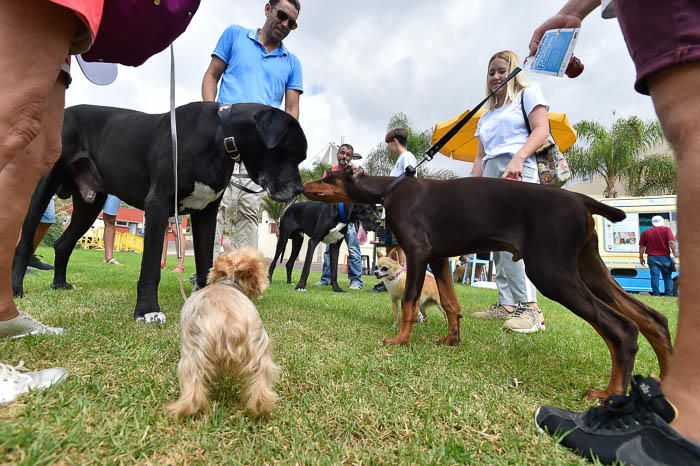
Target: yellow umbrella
(464, 144)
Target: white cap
(99, 73)
(657, 221)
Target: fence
(94, 239)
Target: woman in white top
(506, 150)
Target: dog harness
(343, 213)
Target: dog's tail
(594, 207)
(263, 373)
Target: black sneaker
(631, 429)
(378, 288)
(35, 263)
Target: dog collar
(230, 282)
(230, 145)
(409, 172)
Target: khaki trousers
(238, 213)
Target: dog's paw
(449, 340)
(152, 318)
(62, 286)
(301, 289)
(600, 395)
(395, 341)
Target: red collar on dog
(396, 275)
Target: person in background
(109, 216)
(47, 219)
(507, 150)
(658, 243)
(172, 228)
(397, 141)
(253, 65)
(345, 157)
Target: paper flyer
(554, 52)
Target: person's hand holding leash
(514, 169)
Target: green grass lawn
(345, 397)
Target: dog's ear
(272, 125)
(249, 272)
(380, 254)
(221, 269)
(394, 255)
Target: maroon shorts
(660, 34)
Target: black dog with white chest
(129, 154)
(320, 222)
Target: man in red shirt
(346, 154)
(658, 243)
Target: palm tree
(613, 153)
(653, 175)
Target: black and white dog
(320, 222)
(129, 154)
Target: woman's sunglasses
(282, 16)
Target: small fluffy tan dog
(389, 270)
(221, 332)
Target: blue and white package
(554, 52)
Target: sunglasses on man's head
(282, 16)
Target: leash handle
(435, 148)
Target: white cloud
(366, 60)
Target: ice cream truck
(619, 242)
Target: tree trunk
(610, 190)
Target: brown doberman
(550, 228)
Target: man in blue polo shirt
(253, 66)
